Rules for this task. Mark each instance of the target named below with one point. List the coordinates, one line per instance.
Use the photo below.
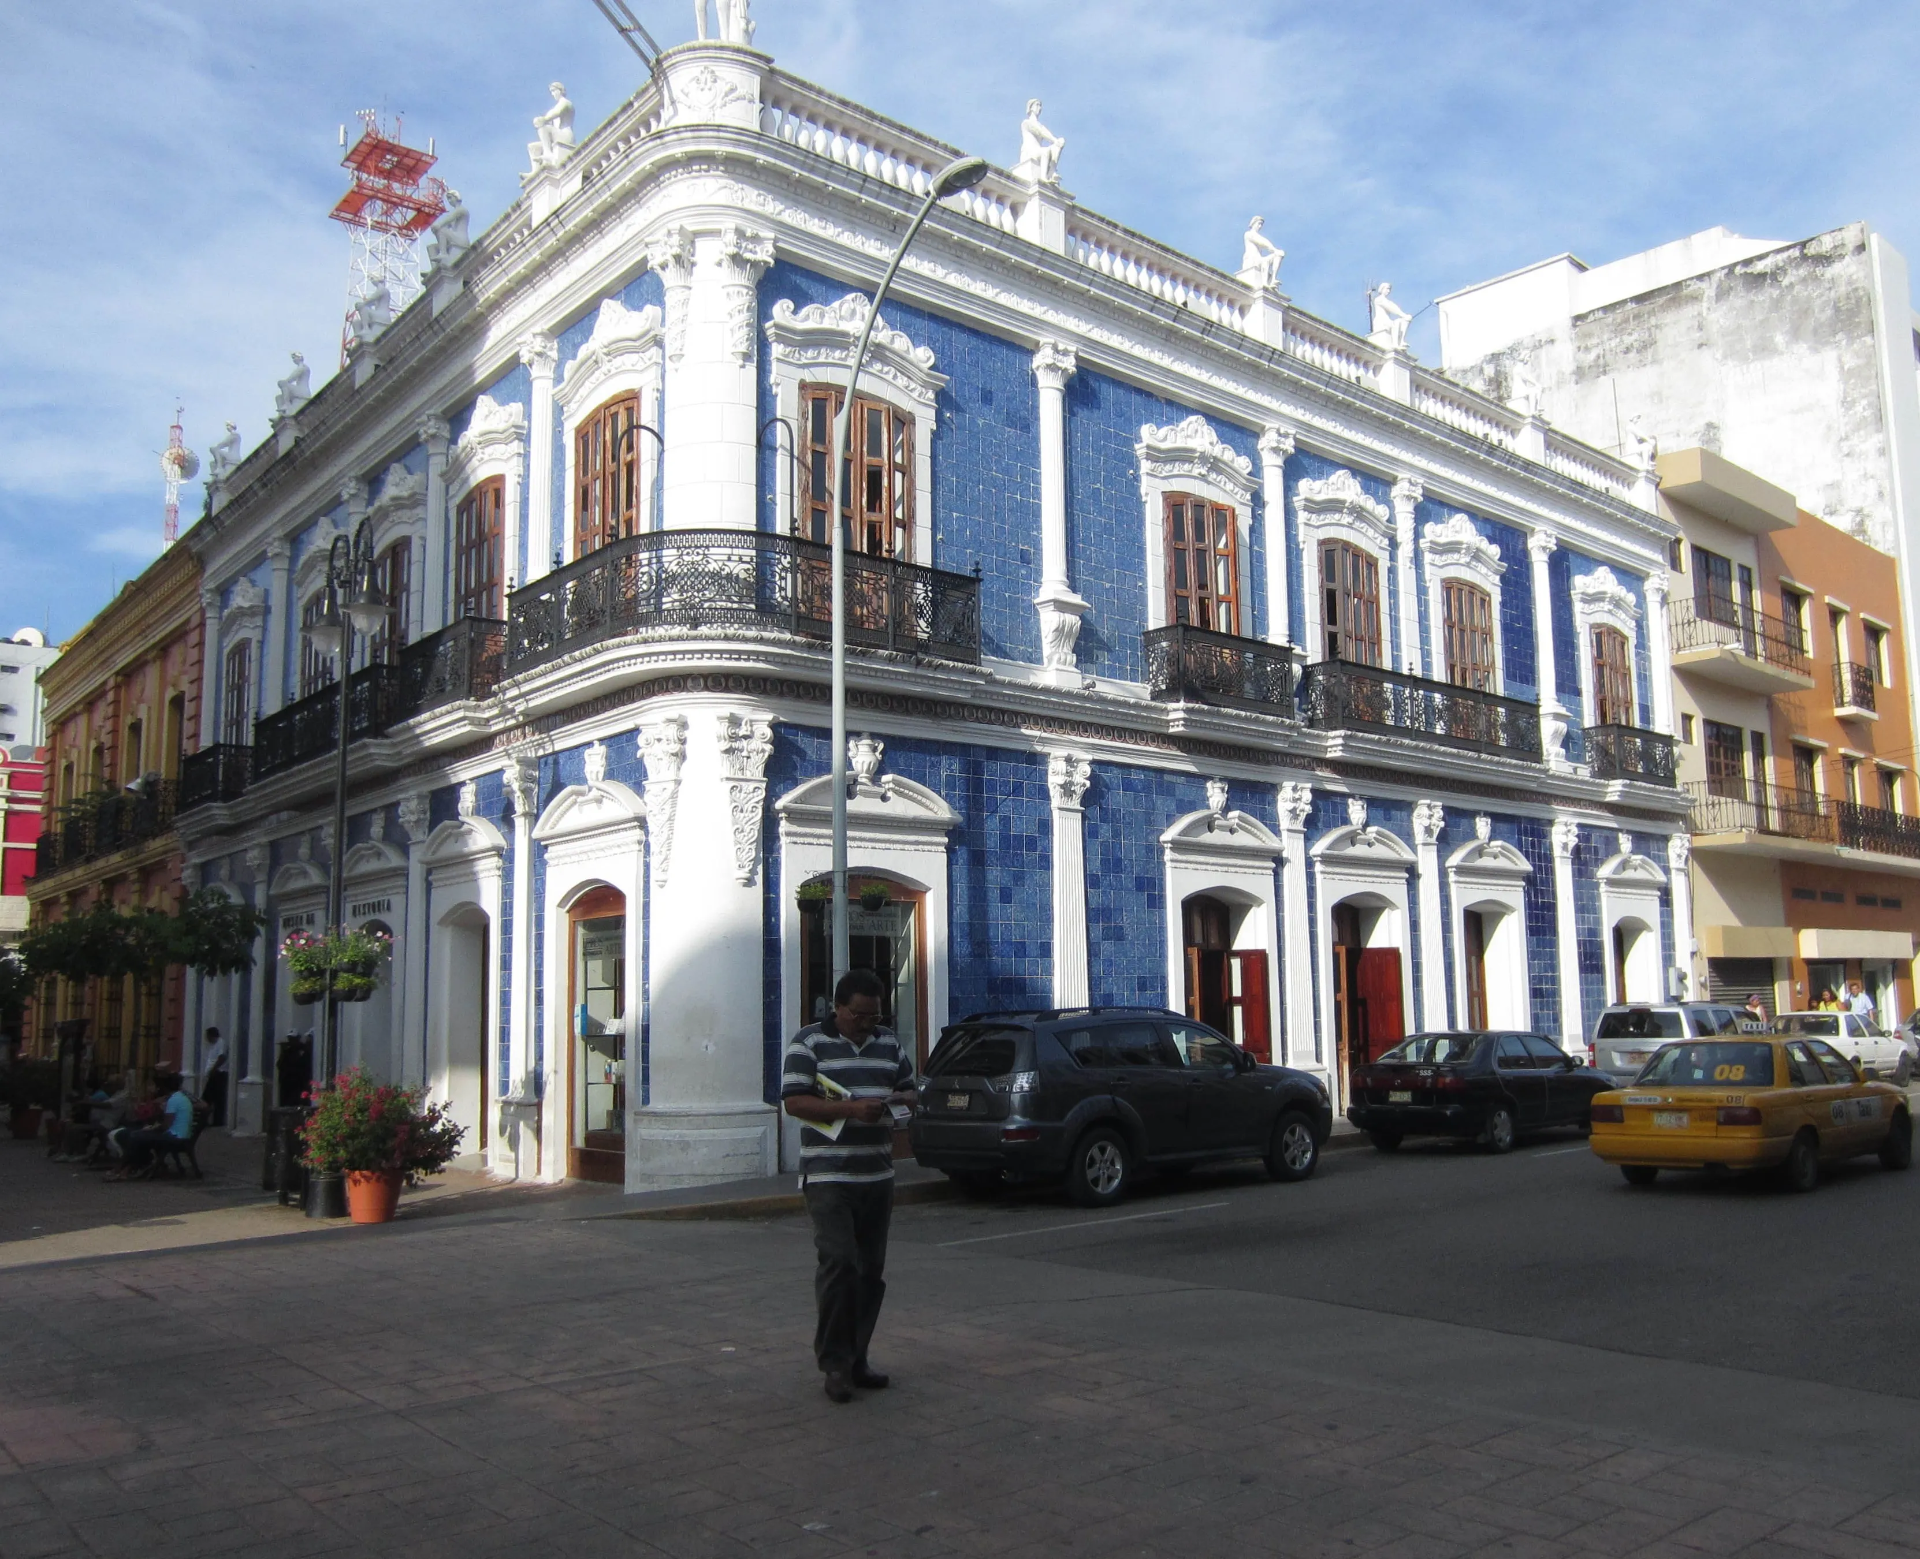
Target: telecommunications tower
(177, 464)
(387, 208)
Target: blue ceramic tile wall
(1127, 809)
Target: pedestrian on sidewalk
(842, 1079)
(213, 1078)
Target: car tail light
(1738, 1115)
(1019, 1133)
(1608, 1114)
(1447, 1082)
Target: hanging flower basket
(354, 959)
(873, 897)
(353, 987)
(819, 891)
(308, 989)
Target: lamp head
(366, 603)
(960, 174)
(325, 630)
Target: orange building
(1796, 749)
(122, 709)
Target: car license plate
(1400, 1096)
(959, 1101)
(1674, 1118)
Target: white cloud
(129, 541)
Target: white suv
(1627, 1034)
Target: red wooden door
(1256, 1026)
(1377, 993)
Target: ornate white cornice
(1455, 544)
(1339, 501)
(824, 335)
(495, 441)
(625, 347)
(1599, 597)
(1192, 451)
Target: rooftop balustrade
(1339, 695)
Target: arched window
(316, 668)
(1350, 595)
(477, 532)
(880, 477)
(1203, 572)
(1468, 627)
(393, 578)
(606, 475)
(237, 710)
(1612, 678)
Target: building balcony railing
(1625, 752)
(1853, 688)
(705, 581)
(1195, 665)
(216, 773)
(98, 825)
(1339, 695)
(465, 659)
(306, 729)
(1735, 806)
(1711, 630)
(1876, 829)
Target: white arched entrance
(463, 862)
(1223, 924)
(1365, 936)
(1488, 879)
(1630, 894)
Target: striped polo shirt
(820, 1062)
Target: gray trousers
(850, 1235)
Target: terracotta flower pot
(372, 1194)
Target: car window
(1546, 1054)
(1640, 1023)
(1435, 1049)
(1853, 1026)
(1136, 1044)
(1807, 1023)
(1803, 1069)
(1705, 1064)
(1726, 1020)
(1838, 1067)
(1511, 1055)
(976, 1051)
(1200, 1050)
(1088, 1047)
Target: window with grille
(1350, 591)
(477, 544)
(393, 578)
(1467, 612)
(237, 710)
(1612, 678)
(1793, 613)
(1713, 596)
(1724, 747)
(1890, 789)
(316, 667)
(606, 476)
(1877, 654)
(879, 473)
(1806, 770)
(1202, 546)
(1850, 774)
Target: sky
(164, 239)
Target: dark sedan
(1091, 1095)
(1489, 1087)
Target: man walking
(213, 1078)
(1859, 1003)
(841, 1079)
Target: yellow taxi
(1754, 1102)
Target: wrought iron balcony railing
(1726, 806)
(1712, 623)
(216, 773)
(1625, 752)
(100, 824)
(465, 659)
(1340, 695)
(305, 729)
(1876, 829)
(1853, 686)
(1195, 665)
(720, 580)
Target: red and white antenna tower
(177, 464)
(387, 208)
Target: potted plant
(380, 1137)
(818, 891)
(353, 959)
(33, 1087)
(873, 897)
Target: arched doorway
(1368, 984)
(1227, 984)
(1634, 948)
(597, 1036)
(457, 1065)
(885, 934)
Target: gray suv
(1628, 1033)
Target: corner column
(1680, 884)
(1407, 493)
(432, 572)
(1553, 718)
(1659, 653)
(1068, 775)
(539, 353)
(1296, 963)
(252, 1093)
(520, 1100)
(415, 813)
(1059, 607)
(1276, 444)
(1566, 936)
(212, 667)
(1429, 818)
(282, 617)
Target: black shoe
(868, 1380)
(837, 1388)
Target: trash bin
(282, 1171)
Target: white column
(1429, 817)
(1276, 443)
(671, 255)
(1296, 962)
(1566, 838)
(192, 1039)
(1680, 882)
(1553, 718)
(212, 667)
(283, 617)
(251, 1091)
(1659, 653)
(1068, 774)
(410, 1001)
(539, 353)
(1060, 608)
(431, 574)
(523, 785)
(1407, 493)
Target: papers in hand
(829, 1089)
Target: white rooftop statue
(372, 310)
(1525, 396)
(733, 25)
(447, 240)
(1642, 447)
(294, 390)
(1390, 321)
(1040, 149)
(224, 455)
(1260, 256)
(555, 129)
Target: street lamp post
(960, 174)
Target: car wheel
(1639, 1174)
(1903, 1073)
(1385, 1141)
(1801, 1171)
(1500, 1134)
(1099, 1172)
(1293, 1153)
(1897, 1151)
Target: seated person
(174, 1125)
